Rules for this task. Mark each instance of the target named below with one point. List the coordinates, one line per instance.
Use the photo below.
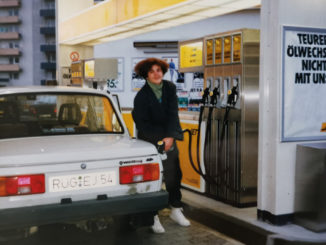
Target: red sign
(74, 56)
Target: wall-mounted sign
(89, 68)
(74, 56)
(77, 70)
(116, 84)
(173, 73)
(191, 55)
(304, 84)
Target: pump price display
(304, 84)
(191, 55)
(209, 52)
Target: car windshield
(36, 114)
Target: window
(15, 28)
(50, 5)
(4, 29)
(13, 45)
(14, 60)
(49, 40)
(14, 76)
(53, 114)
(49, 23)
(9, 28)
(13, 12)
(51, 57)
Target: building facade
(27, 42)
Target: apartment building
(27, 42)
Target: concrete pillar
(276, 176)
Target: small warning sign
(323, 127)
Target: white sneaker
(177, 216)
(157, 227)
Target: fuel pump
(205, 96)
(209, 149)
(211, 103)
(233, 93)
(231, 100)
(215, 94)
(228, 119)
(204, 104)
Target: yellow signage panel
(77, 70)
(190, 178)
(191, 55)
(89, 68)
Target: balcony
(52, 66)
(9, 36)
(48, 47)
(9, 3)
(9, 20)
(9, 52)
(49, 30)
(47, 13)
(9, 68)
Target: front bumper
(55, 213)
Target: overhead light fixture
(184, 9)
(160, 17)
(211, 3)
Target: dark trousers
(172, 177)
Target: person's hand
(168, 143)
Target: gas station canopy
(118, 19)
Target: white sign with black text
(304, 84)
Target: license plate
(82, 181)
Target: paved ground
(69, 234)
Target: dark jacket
(157, 120)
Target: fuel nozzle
(233, 96)
(160, 149)
(160, 146)
(214, 95)
(205, 95)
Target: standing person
(156, 116)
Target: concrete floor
(199, 205)
(114, 233)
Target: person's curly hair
(142, 68)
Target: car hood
(70, 148)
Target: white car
(66, 155)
